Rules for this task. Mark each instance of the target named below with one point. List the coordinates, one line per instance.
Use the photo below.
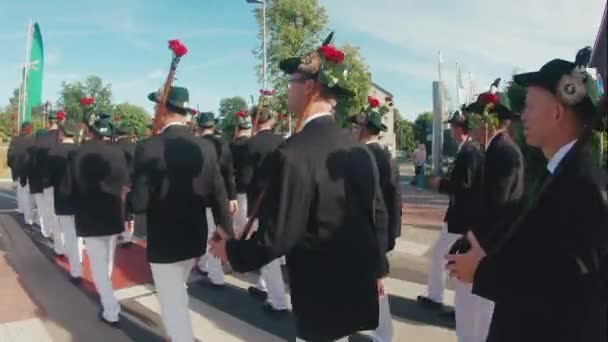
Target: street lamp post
(263, 3)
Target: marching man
(270, 287)
(100, 177)
(208, 264)
(176, 177)
(60, 158)
(334, 239)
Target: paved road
(68, 313)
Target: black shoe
(267, 307)
(429, 303)
(115, 325)
(201, 272)
(257, 293)
(75, 280)
(447, 313)
(127, 244)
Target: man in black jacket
(368, 127)
(208, 264)
(322, 208)
(545, 275)
(60, 156)
(270, 286)
(122, 139)
(97, 190)
(16, 157)
(463, 184)
(39, 180)
(501, 196)
(176, 177)
(243, 170)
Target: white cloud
(492, 38)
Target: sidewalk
(49, 308)
(20, 317)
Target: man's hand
(234, 207)
(435, 182)
(464, 266)
(381, 292)
(217, 247)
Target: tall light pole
(263, 3)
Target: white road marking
(26, 330)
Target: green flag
(34, 73)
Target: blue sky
(124, 42)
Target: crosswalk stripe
(213, 324)
(26, 330)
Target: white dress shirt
(558, 156)
(314, 116)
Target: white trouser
(51, 219)
(240, 218)
(482, 316)
(170, 281)
(73, 246)
(271, 281)
(101, 257)
(343, 339)
(26, 203)
(127, 235)
(208, 263)
(473, 314)
(437, 273)
(384, 332)
(42, 215)
(19, 193)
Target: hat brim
(292, 65)
(170, 105)
(533, 79)
(107, 133)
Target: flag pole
(26, 69)
(457, 86)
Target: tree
(135, 117)
(293, 27)
(423, 126)
(359, 81)
(404, 133)
(71, 93)
(228, 109)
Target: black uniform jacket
(128, 147)
(388, 171)
(324, 210)
(97, 186)
(260, 146)
(243, 170)
(224, 156)
(463, 185)
(176, 177)
(17, 155)
(543, 276)
(38, 175)
(502, 190)
(60, 156)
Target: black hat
(492, 102)
(265, 114)
(102, 125)
(69, 128)
(568, 81)
(206, 119)
(325, 65)
(123, 129)
(177, 100)
(460, 118)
